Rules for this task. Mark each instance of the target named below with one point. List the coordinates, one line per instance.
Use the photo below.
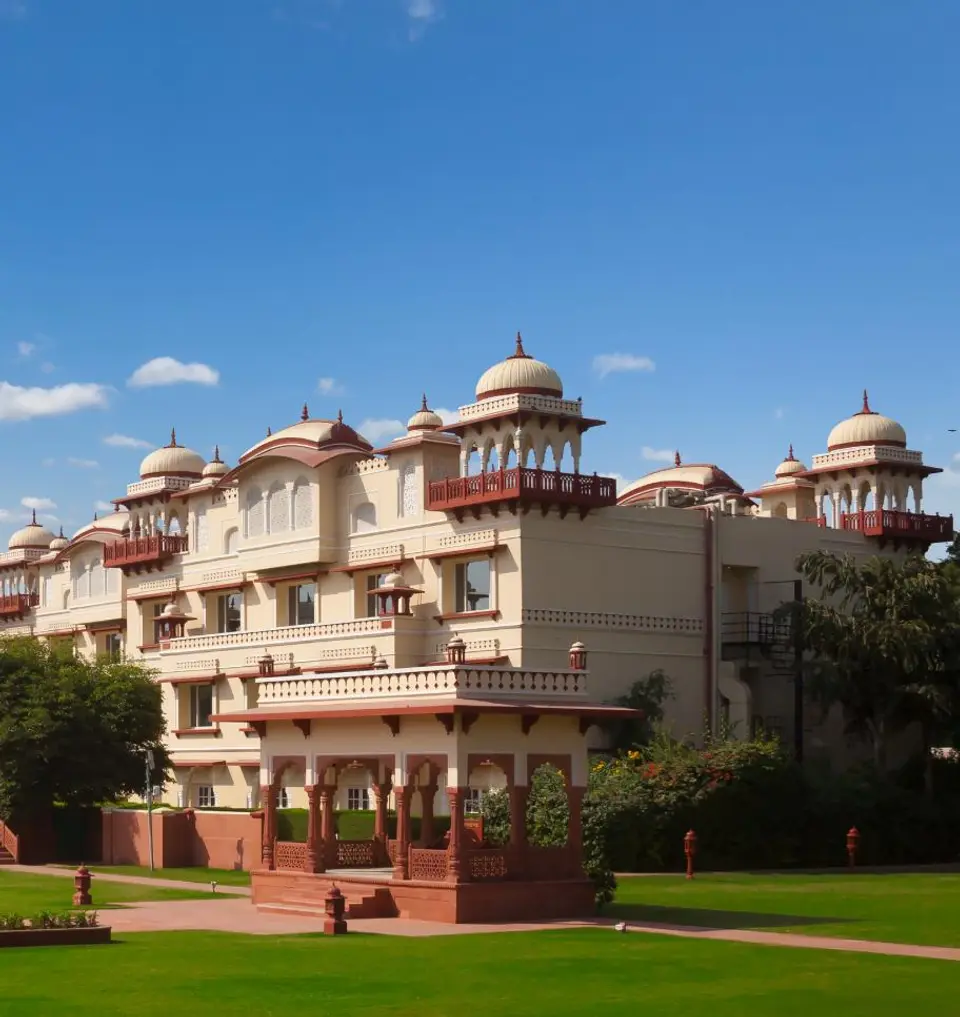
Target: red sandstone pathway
(235, 914)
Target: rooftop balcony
(443, 682)
(890, 525)
(521, 487)
(14, 606)
(143, 554)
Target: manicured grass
(225, 877)
(912, 908)
(24, 894)
(561, 974)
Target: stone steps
(378, 904)
(5, 857)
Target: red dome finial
(519, 353)
(790, 456)
(676, 459)
(866, 403)
(173, 438)
(269, 431)
(304, 413)
(216, 453)
(33, 521)
(339, 416)
(61, 533)
(423, 405)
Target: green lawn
(915, 908)
(26, 894)
(225, 877)
(511, 974)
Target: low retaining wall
(55, 937)
(218, 840)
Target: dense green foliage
(882, 639)
(647, 694)
(73, 730)
(350, 824)
(11, 922)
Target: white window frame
(206, 796)
(193, 716)
(464, 563)
(362, 796)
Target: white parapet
(434, 682)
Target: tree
(72, 730)
(884, 645)
(647, 694)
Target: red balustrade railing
(16, 605)
(9, 841)
(141, 550)
(580, 490)
(891, 523)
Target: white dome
(216, 467)
(172, 460)
(116, 522)
(391, 580)
(790, 466)
(424, 419)
(59, 542)
(519, 373)
(310, 433)
(866, 428)
(32, 537)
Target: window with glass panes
(472, 586)
(228, 612)
(358, 798)
(201, 705)
(301, 600)
(373, 604)
(206, 797)
(113, 645)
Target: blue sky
(348, 203)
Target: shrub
(50, 920)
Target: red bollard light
(335, 904)
(690, 850)
(81, 884)
(853, 843)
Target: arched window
(302, 504)
(409, 495)
(364, 518)
(231, 540)
(255, 513)
(98, 580)
(173, 525)
(279, 502)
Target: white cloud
(125, 441)
(47, 367)
(617, 363)
(18, 403)
(83, 464)
(658, 455)
(329, 386)
(421, 13)
(167, 371)
(40, 504)
(376, 430)
(102, 506)
(447, 416)
(621, 480)
(779, 413)
(6, 515)
(48, 462)
(25, 349)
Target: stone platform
(374, 893)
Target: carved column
(428, 793)
(575, 829)
(314, 857)
(328, 831)
(456, 869)
(268, 795)
(401, 863)
(381, 795)
(519, 794)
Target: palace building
(451, 609)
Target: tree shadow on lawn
(709, 918)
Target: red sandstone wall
(220, 840)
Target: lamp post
(149, 764)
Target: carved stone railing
(16, 605)
(488, 864)
(9, 841)
(887, 523)
(141, 552)
(523, 485)
(452, 682)
(283, 634)
(866, 453)
(356, 854)
(429, 864)
(512, 402)
(289, 855)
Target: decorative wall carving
(607, 620)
